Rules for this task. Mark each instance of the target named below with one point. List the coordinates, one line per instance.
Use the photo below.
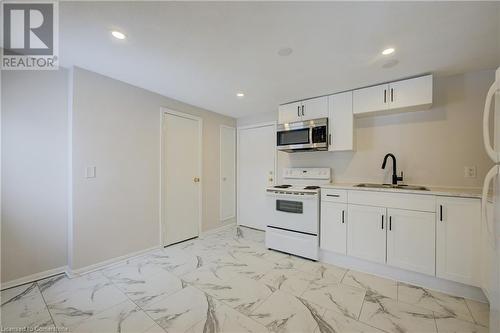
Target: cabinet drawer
(333, 195)
(424, 203)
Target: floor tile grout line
(229, 306)
(470, 311)
(362, 304)
(98, 312)
(46, 305)
(144, 311)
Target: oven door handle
(297, 197)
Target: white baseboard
(33, 277)
(216, 230)
(418, 279)
(108, 263)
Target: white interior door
(256, 171)
(181, 213)
(227, 173)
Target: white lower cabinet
(333, 229)
(428, 234)
(411, 240)
(366, 234)
(458, 239)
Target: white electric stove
(293, 225)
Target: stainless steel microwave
(300, 136)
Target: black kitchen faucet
(395, 177)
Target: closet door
(227, 173)
(256, 163)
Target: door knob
(196, 179)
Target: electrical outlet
(90, 172)
(470, 172)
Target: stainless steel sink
(398, 187)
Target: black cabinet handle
(302, 109)
(298, 111)
(329, 139)
(385, 96)
(392, 94)
(382, 222)
(390, 223)
(440, 212)
(343, 217)
(333, 195)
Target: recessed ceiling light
(388, 51)
(285, 51)
(240, 94)
(118, 34)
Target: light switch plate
(470, 172)
(90, 172)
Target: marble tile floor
(227, 281)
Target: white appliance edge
(491, 217)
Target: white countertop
(441, 191)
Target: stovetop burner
(283, 186)
(311, 187)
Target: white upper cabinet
(289, 113)
(411, 94)
(340, 122)
(458, 239)
(315, 108)
(411, 240)
(371, 99)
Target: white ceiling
(204, 53)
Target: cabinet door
(340, 122)
(411, 92)
(289, 113)
(411, 240)
(371, 99)
(315, 108)
(366, 235)
(458, 239)
(333, 232)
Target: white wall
(432, 147)
(117, 128)
(34, 172)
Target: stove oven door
(294, 212)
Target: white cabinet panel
(458, 240)
(315, 108)
(333, 232)
(371, 99)
(289, 113)
(426, 203)
(411, 240)
(366, 234)
(411, 92)
(334, 195)
(340, 122)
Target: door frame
(221, 219)
(163, 165)
(238, 129)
